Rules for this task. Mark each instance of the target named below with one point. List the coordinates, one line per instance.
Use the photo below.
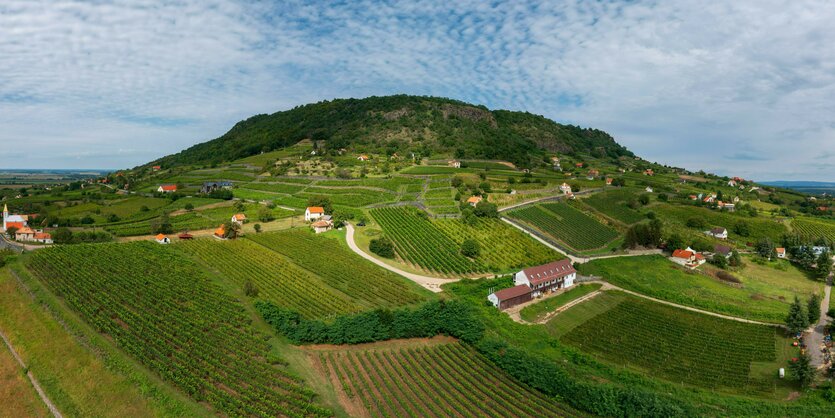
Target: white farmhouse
(313, 212)
(547, 277)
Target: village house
(363, 157)
(648, 189)
(167, 188)
(720, 233)
(533, 282)
(649, 172)
(709, 199)
(693, 197)
(220, 232)
(730, 207)
(565, 188)
(578, 165)
(156, 168)
(781, 252)
(454, 163)
(593, 174)
(24, 234)
(732, 183)
(239, 218)
(474, 200)
(721, 250)
(211, 186)
(555, 163)
(313, 212)
(688, 258)
(162, 239)
(608, 181)
(43, 237)
(322, 225)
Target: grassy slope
(655, 276)
(78, 382)
(17, 396)
(536, 311)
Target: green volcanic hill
(402, 123)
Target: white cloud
(739, 88)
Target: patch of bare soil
(388, 344)
(792, 396)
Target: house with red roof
(162, 239)
(167, 188)
(649, 172)
(322, 225)
(24, 234)
(547, 277)
(474, 200)
(689, 258)
(781, 252)
(156, 168)
(313, 212)
(220, 232)
(510, 297)
(13, 221)
(239, 218)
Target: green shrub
(382, 247)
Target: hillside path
(573, 258)
(609, 286)
(814, 339)
(431, 283)
(52, 408)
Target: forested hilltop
(404, 124)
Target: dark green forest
(401, 123)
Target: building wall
(509, 303)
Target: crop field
(680, 346)
(566, 224)
(337, 266)
(503, 247)
(418, 242)
(275, 187)
(814, 228)
(391, 184)
(162, 310)
(435, 381)
(615, 204)
(17, 395)
(759, 227)
(276, 279)
(660, 278)
(440, 193)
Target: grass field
(337, 266)
(760, 227)
(565, 224)
(658, 277)
(577, 315)
(163, 311)
(535, 312)
(680, 346)
(77, 381)
(439, 380)
(615, 204)
(17, 396)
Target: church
(13, 221)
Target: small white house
(720, 233)
(238, 218)
(162, 239)
(313, 212)
(474, 200)
(648, 189)
(781, 252)
(454, 163)
(167, 188)
(565, 188)
(322, 225)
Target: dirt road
(814, 338)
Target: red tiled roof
(780, 250)
(512, 292)
(320, 224)
(474, 199)
(25, 230)
(682, 254)
(160, 237)
(316, 209)
(17, 225)
(240, 217)
(550, 271)
(169, 187)
(43, 235)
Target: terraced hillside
(566, 224)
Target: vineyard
(341, 269)
(678, 345)
(813, 228)
(566, 224)
(759, 227)
(418, 242)
(160, 309)
(615, 204)
(437, 381)
(277, 279)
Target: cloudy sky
(735, 87)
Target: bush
(250, 289)
(382, 247)
(470, 248)
(727, 277)
(697, 223)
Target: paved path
(35, 384)
(557, 196)
(431, 283)
(609, 286)
(576, 259)
(814, 338)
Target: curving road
(431, 283)
(814, 338)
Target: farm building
(781, 252)
(510, 297)
(322, 225)
(211, 186)
(185, 236)
(43, 237)
(24, 234)
(649, 172)
(220, 232)
(238, 218)
(156, 168)
(547, 277)
(162, 239)
(454, 163)
(723, 250)
(363, 157)
(565, 188)
(167, 188)
(608, 181)
(313, 213)
(720, 233)
(688, 258)
(474, 200)
(592, 174)
(648, 189)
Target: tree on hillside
(675, 242)
(697, 223)
(485, 209)
(742, 229)
(231, 230)
(383, 247)
(162, 225)
(644, 234)
(813, 309)
(265, 214)
(735, 260)
(797, 319)
(470, 248)
(765, 248)
(802, 370)
(824, 265)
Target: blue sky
(742, 88)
